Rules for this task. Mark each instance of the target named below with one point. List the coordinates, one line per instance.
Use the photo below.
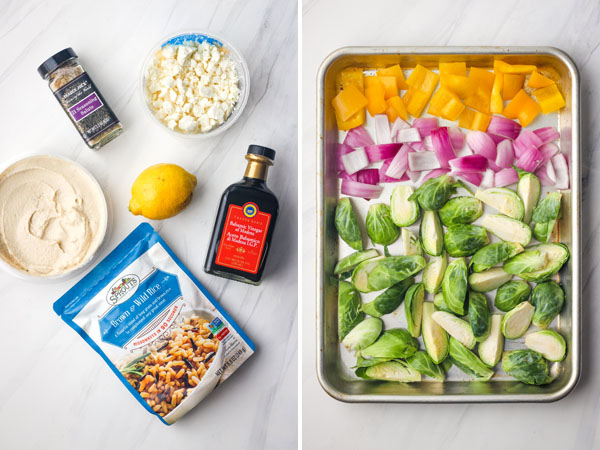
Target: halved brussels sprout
(423, 364)
(527, 366)
(363, 334)
(351, 261)
(468, 362)
(435, 192)
(394, 343)
(413, 307)
(548, 209)
(454, 286)
(516, 322)
(548, 299)
(507, 229)
(349, 314)
(548, 343)
(404, 212)
(528, 189)
(380, 227)
(388, 300)
(411, 243)
(480, 317)
(393, 371)
(488, 280)
(542, 231)
(494, 254)
(465, 240)
(435, 337)
(504, 200)
(490, 350)
(455, 327)
(446, 364)
(346, 224)
(432, 234)
(381, 273)
(511, 294)
(433, 274)
(461, 210)
(538, 263)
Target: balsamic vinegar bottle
(245, 222)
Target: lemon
(161, 191)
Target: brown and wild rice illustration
(166, 375)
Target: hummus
(53, 215)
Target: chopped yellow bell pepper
(372, 81)
(496, 103)
(459, 84)
(348, 102)
(347, 77)
(513, 83)
(390, 88)
(549, 98)
(522, 107)
(479, 100)
(474, 120)
(375, 99)
(445, 104)
(415, 101)
(537, 80)
(395, 71)
(396, 108)
(501, 66)
(354, 121)
(483, 78)
(355, 76)
(456, 68)
(423, 79)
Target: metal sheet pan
(332, 371)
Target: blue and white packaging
(158, 329)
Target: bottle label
(243, 238)
(86, 107)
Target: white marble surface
(571, 26)
(55, 392)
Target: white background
(571, 26)
(55, 392)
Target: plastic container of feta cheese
(164, 110)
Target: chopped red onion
(542, 174)
(341, 150)
(419, 161)
(357, 189)
(488, 178)
(358, 137)
(504, 127)
(355, 161)
(548, 151)
(529, 160)
(496, 138)
(381, 152)
(435, 173)
(492, 165)
(526, 140)
(398, 125)
(559, 162)
(506, 177)
(414, 176)
(481, 144)
(418, 146)
(383, 178)
(442, 146)
(428, 143)
(547, 134)
(469, 164)
(473, 178)
(408, 135)
(505, 155)
(368, 176)
(550, 171)
(382, 129)
(425, 126)
(399, 163)
(457, 138)
(346, 176)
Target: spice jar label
(243, 238)
(86, 107)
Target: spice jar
(80, 98)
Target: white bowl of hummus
(53, 217)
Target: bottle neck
(257, 167)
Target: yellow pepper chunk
(372, 81)
(549, 98)
(348, 77)
(522, 107)
(355, 76)
(375, 99)
(513, 83)
(501, 66)
(395, 71)
(459, 84)
(474, 120)
(483, 78)
(423, 79)
(537, 80)
(396, 108)
(496, 103)
(354, 121)
(415, 101)
(456, 68)
(390, 87)
(348, 102)
(479, 100)
(445, 104)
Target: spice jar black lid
(55, 60)
(263, 151)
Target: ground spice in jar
(80, 98)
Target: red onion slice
(368, 176)
(426, 125)
(408, 135)
(561, 168)
(481, 144)
(435, 173)
(398, 125)
(341, 150)
(357, 189)
(547, 134)
(355, 161)
(526, 141)
(473, 178)
(381, 152)
(399, 163)
(542, 174)
(496, 138)
(383, 178)
(548, 151)
(382, 129)
(505, 155)
(457, 138)
(506, 177)
(358, 137)
(529, 160)
(442, 146)
(469, 164)
(488, 178)
(504, 127)
(420, 161)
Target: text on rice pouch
(145, 315)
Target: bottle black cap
(263, 151)
(55, 60)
